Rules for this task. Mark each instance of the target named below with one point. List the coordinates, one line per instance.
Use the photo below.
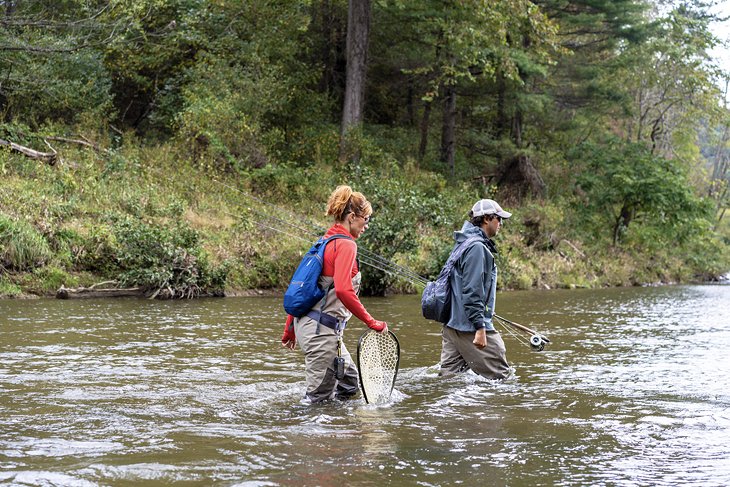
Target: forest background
(188, 147)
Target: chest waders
(338, 326)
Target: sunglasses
(366, 219)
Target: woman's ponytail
(344, 200)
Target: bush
(166, 261)
(46, 280)
(22, 247)
(399, 209)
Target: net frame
(376, 378)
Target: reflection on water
(633, 390)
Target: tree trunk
(410, 104)
(358, 31)
(330, 22)
(425, 122)
(622, 222)
(517, 128)
(501, 122)
(518, 176)
(448, 129)
(98, 291)
(719, 164)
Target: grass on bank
(151, 216)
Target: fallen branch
(48, 157)
(84, 142)
(572, 246)
(96, 292)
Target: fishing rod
(314, 230)
(537, 340)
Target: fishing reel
(538, 342)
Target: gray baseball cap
(489, 207)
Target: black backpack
(436, 297)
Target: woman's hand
(289, 339)
(379, 326)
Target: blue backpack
(436, 297)
(304, 291)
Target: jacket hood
(468, 230)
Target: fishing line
(294, 217)
(367, 256)
(512, 332)
(365, 259)
(536, 340)
(316, 229)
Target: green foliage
(9, 289)
(22, 247)
(67, 245)
(165, 260)
(401, 211)
(48, 74)
(623, 182)
(176, 93)
(48, 279)
(98, 252)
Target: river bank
(172, 223)
(13, 291)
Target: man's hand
(480, 338)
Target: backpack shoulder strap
(336, 236)
(322, 242)
(462, 247)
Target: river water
(633, 390)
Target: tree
(670, 80)
(50, 61)
(358, 32)
(626, 182)
(235, 82)
(451, 49)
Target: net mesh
(378, 355)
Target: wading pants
(458, 354)
(320, 350)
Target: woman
(319, 337)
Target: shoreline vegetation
(187, 149)
(149, 217)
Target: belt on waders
(327, 320)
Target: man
(469, 338)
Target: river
(633, 390)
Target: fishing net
(378, 356)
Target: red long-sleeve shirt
(340, 263)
